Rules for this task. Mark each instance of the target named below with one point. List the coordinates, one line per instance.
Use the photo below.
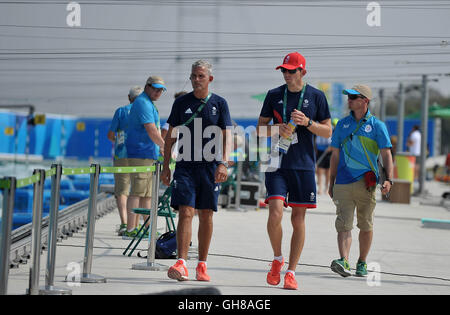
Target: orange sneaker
(201, 272)
(178, 272)
(289, 281)
(273, 277)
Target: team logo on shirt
(305, 103)
(312, 197)
(368, 128)
(188, 111)
(214, 111)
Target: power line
(222, 3)
(191, 32)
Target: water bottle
(284, 143)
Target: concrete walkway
(412, 259)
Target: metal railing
(27, 241)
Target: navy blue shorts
(194, 186)
(297, 188)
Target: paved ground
(412, 259)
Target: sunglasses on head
(355, 96)
(290, 71)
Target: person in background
(323, 160)
(413, 145)
(117, 134)
(165, 127)
(144, 145)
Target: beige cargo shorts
(121, 180)
(141, 183)
(347, 198)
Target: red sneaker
(273, 277)
(289, 282)
(178, 272)
(201, 272)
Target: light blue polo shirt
(138, 143)
(119, 125)
(360, 152)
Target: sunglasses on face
(355, 96)
(283, 70)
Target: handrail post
(87, 277)
(36, 233)
(6, 227)
(150, 264)
(49, 287)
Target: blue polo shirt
(358, 153)
(119, 125)
(138, 143)
(301, 155)
(214, 113)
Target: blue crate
(65, 184)
(23, 201)
(81, 184)
(69, 197)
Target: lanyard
(203, 101)
(300, 102)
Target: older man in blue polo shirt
(197, 177)
(357, 141)
(144, 144)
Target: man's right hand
(285, 131)
(165, 176)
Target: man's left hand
(386, 188)
(299, 118)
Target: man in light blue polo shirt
(117, 135)
(144, 144)
(357, 141)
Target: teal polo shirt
(358, 149)
(138, 143)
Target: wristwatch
(310, 122)
(224, 163)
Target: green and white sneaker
(341, 266)
(122, 229)
(361, 269)
(129, 235)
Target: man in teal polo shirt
(144, 144)
(357, 141)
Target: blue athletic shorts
(194, 186)
(297, 188)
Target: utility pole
(400, 117)
(424, 135)
(382, 105)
